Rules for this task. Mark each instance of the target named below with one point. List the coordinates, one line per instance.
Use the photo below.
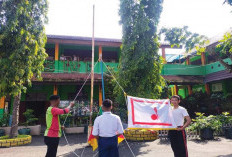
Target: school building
(69, 63)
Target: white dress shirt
(179, 114)
(107, 125)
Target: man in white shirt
(178, 136)
(106, 129)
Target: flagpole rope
(114, 77)
(69, 144)
(68, 114)
(125, 95)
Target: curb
(15, 142)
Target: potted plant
(4, 124)
(226, 121)
(73, 126)
(206, 125)
(29, 124)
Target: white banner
(149, 113)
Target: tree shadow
(200, 141)
(229, 155)
(72, 139)
(124, 150)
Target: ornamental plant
(205, 122)
(30, 118)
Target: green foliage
(4, 120)
(182, 36)
(140, 64)
(225, 118)
(30, 118)
(22, 41)
(225, 45)
(203, 122)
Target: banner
(149, 113)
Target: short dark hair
(107, 103)
(176, 96)
(54, 97)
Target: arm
(119, 127)
(187, 118)
(186, 124)
(95, 131)
(57, 111)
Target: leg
(114, 147)
(182, 147)
(174, 141)
(52, 144)
(103, 147)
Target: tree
(182, 36)
(140, 64)
(22, 53)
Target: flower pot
(7, 130)
(74, 130)
(35, 130)
(206, 134)
(24, 131)
(2, 132)
(228, 133)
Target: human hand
(180, 129)
(71, 104)
(62, 127)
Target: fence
(163, 134)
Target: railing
(75, 67)
(181, 69)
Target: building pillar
(176, 89)
(2, 102)
(57, 57)
(190, 92)
(100, 95)
(203, 60)
(55, 90)
(188, 61)
(207, 88)
(163, 54)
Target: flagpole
(92, 72)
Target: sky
(74, 17)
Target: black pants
(108, 146)
(52, 144)
(178, 143)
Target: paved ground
(217, 148)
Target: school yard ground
(220, 147)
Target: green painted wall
(181, 69)
(48, 89)
(216, 66)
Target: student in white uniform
(106, 129)
(178, 136)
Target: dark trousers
(108, 146)
(178, 143)
(52, 144)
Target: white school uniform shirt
(107, 125)
(179, 114)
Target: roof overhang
(183, 80)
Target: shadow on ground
(229, 155)
(124, 150)
(72, 139)
(199, 141)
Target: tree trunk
(15, 116)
